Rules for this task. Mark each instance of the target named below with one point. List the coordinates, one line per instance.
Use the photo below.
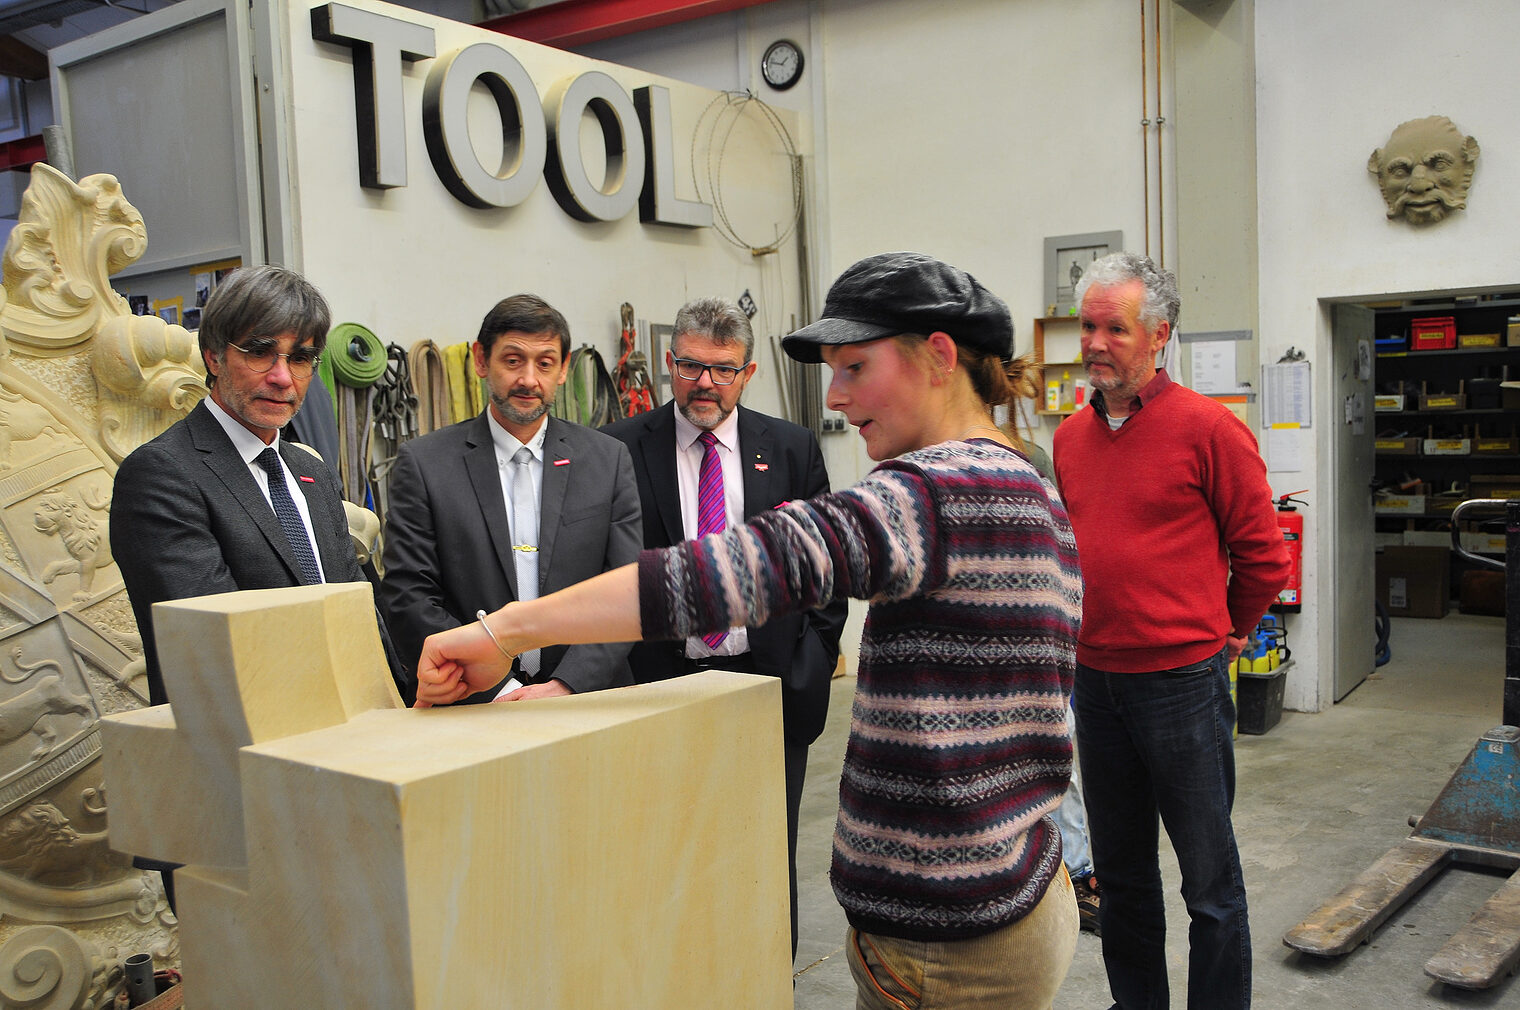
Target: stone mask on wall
(1425, 169)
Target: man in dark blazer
(192, 511)
(765, 461)
(453, 542)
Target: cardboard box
(1496, 446)
(1482, 592)
(1388, 402)
(1396, 446)
(1446, 447)
(1414, 581)
(1427, 538)
(1443, 401)
(1399, 505)
(1483, 543)
(1394, 538)
(1477, 340)
(1512, 332)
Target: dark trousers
(795, 771)
(1157, 747)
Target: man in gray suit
(197, 510)
(510, 505)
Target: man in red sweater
(1180, 557)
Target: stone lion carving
(64, 516)
(1425, 169)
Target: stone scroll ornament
(1425, 169)
(83, 381)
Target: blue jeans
(1157, 747)
(1071, 817)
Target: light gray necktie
(525, 541)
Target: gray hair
(718, 320)
(264, 301)
(1162, 299)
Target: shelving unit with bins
(1057, 343)
(1438, 446)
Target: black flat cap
(906, 292)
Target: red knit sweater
(1176, 534)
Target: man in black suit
(508, 506)
(220, 502)
(764, 461)
(195, 511)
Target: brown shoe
(1087, 904)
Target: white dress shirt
(249, 446)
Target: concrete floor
(1319, 798)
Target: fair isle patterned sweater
(958, 745)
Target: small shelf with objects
(1063, 380)
(1446, 428)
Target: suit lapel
(657, 459)
(230, 471)
(485, 479)
(551, 504)
(756, 460)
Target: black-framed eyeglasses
(691, 371)
(261, 355)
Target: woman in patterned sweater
(945, 861)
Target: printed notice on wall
(1285, 448)
(1285, 395)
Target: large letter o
(624, 140)
(445, 126)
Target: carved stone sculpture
(82, 383)
(581, 853)
(1425, 169)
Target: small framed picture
(1067, 257)
(192, 319)
(660, 335)
(168, 309)
(138, 304)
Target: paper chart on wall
(1286, 395)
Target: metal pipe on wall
(1145, 134)
(1160, 152)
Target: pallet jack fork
(1474, 821)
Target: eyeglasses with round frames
(262, 356)
(691, 371)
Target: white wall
(1333, 81)
(414, 262)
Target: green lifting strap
(357, 356)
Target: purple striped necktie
(712, 513)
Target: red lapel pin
(562, 462)
(762, 467)
(305, 479)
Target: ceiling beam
(572, 23)
(17, 59)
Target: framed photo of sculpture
(1066, 258)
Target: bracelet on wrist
(480, 615)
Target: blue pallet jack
(1474, 821)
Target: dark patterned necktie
(290, 517)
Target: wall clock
(781, 66)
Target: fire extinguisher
(1291, 523)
